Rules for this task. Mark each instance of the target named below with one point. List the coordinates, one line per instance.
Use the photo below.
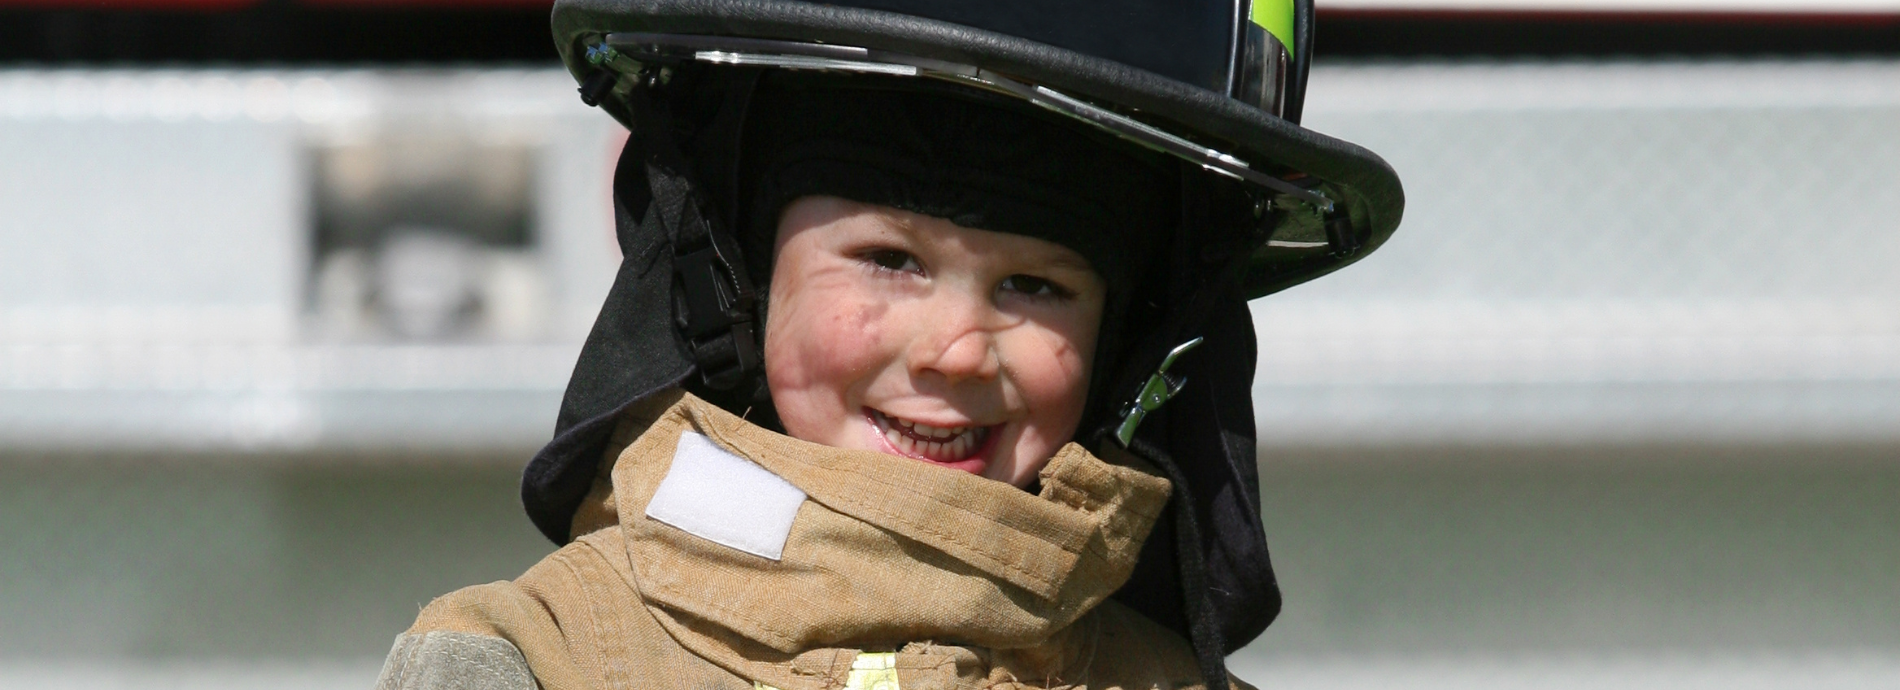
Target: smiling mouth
(925, 442)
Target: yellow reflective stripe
(1276, 16)
(873, 672)
(870, 671)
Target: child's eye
(892, 260)
(1035, 287)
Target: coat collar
(884, 551)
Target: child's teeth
(936, 443)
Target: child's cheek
(1057, 375)
(823, 345)
(1051, 368)
(848, 346)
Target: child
(933, 452)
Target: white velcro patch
(726, 499)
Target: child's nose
(955, 346)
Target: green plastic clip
(1157, 391)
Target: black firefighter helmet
(1212, 89)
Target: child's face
(907, 334)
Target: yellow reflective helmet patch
(870, 671)
(1276, 16)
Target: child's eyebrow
(903, 224)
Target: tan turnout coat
(952, 581)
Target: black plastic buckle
(714, 312)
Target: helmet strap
(1204, 633)
(715, 305)
(1145, 392)
(1145, 383)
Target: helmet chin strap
(1181, 334)
(716, 306)
(1204, 633)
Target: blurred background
(289, 290)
